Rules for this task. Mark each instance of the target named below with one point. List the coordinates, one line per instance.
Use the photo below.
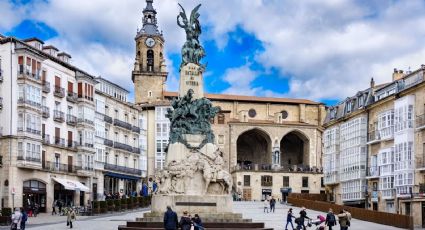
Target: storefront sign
(286, 190)
(374, 196)
(267, 191)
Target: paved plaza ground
(252, 210)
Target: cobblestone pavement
(251, 210)
(276, 220)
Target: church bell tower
(149, 74)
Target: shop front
(34, 195)
(266, 193)
(65, 190)
(120, 183)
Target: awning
(122, 176)
(72, 185)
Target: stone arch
(295, 149)
(253, 146)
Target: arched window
(150, 58)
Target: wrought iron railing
(59, 91)
(122, 124)
(123, 169)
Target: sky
(312, 49)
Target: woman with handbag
(70, 217)
(16, 219)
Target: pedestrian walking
(343, 219)
(16, 219)
(71, 216)
(54, 207)
(289, 217)
(23, 219)
(59, 203)
(170, 219)
(185, 221)
(330, 219)
(197, 223)
(303, 216)
(266, 205)
(272, 204)
(348, 216)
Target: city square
(155, 112)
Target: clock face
(150, 42)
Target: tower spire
(150, 26)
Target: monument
(194, 178)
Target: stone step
(207, 225)
(212, 215)
(148, 228)
(204, 219)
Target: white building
(118, 148)
(47, 123)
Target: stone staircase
(207, 225)
(215, 221)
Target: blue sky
(318, 50)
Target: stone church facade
(270, 145)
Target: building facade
(117, 145)
(64, 134)
(270, 145)
(393, 164)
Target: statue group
(193, 167)
(192, 51)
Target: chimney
(372, 83)
(397, 74)
(64, 57)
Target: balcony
(388, 194)
(135, 129)
(372, 172)
(85, 121)
(26, 74)
(57, 167)
(71, 144)
(122, 146)
(420, 122)
(84, 170)
(28, 161)
(242, 167)
(373, 137)
(108, 142)
(122, 124)
(58, 116)
(85, 145)
(33, 131)
(46, 139)
(59, 92)
(107, 119)
(60, 142)
(123, 169)
(136, 150)
(46, 87)
(46, 111)
(71, 97)
(26, 102)
(71, 120)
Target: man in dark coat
(170, 219)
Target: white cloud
(329, 48)
(10, 16)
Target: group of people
(19, 219)
(269, 203)
(344, 219)
(186, 222)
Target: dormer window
(332, 113)
(360, 101)
(349, 106)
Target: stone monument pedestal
(205, 204)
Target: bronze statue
(192, 51)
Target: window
(266, 180)
(106, 158)
(322, 184)
(57, 161)
(221, 118)
(221, 139)
(305, 182)
(285, 181)
(116, 159)
(246, 180)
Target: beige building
(270, 145)
(392, 171)
(47, 126)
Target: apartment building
(47, 126)
(118, 149)
(394, 180)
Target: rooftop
(229, 97)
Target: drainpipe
(367, 160)
(10, 120)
